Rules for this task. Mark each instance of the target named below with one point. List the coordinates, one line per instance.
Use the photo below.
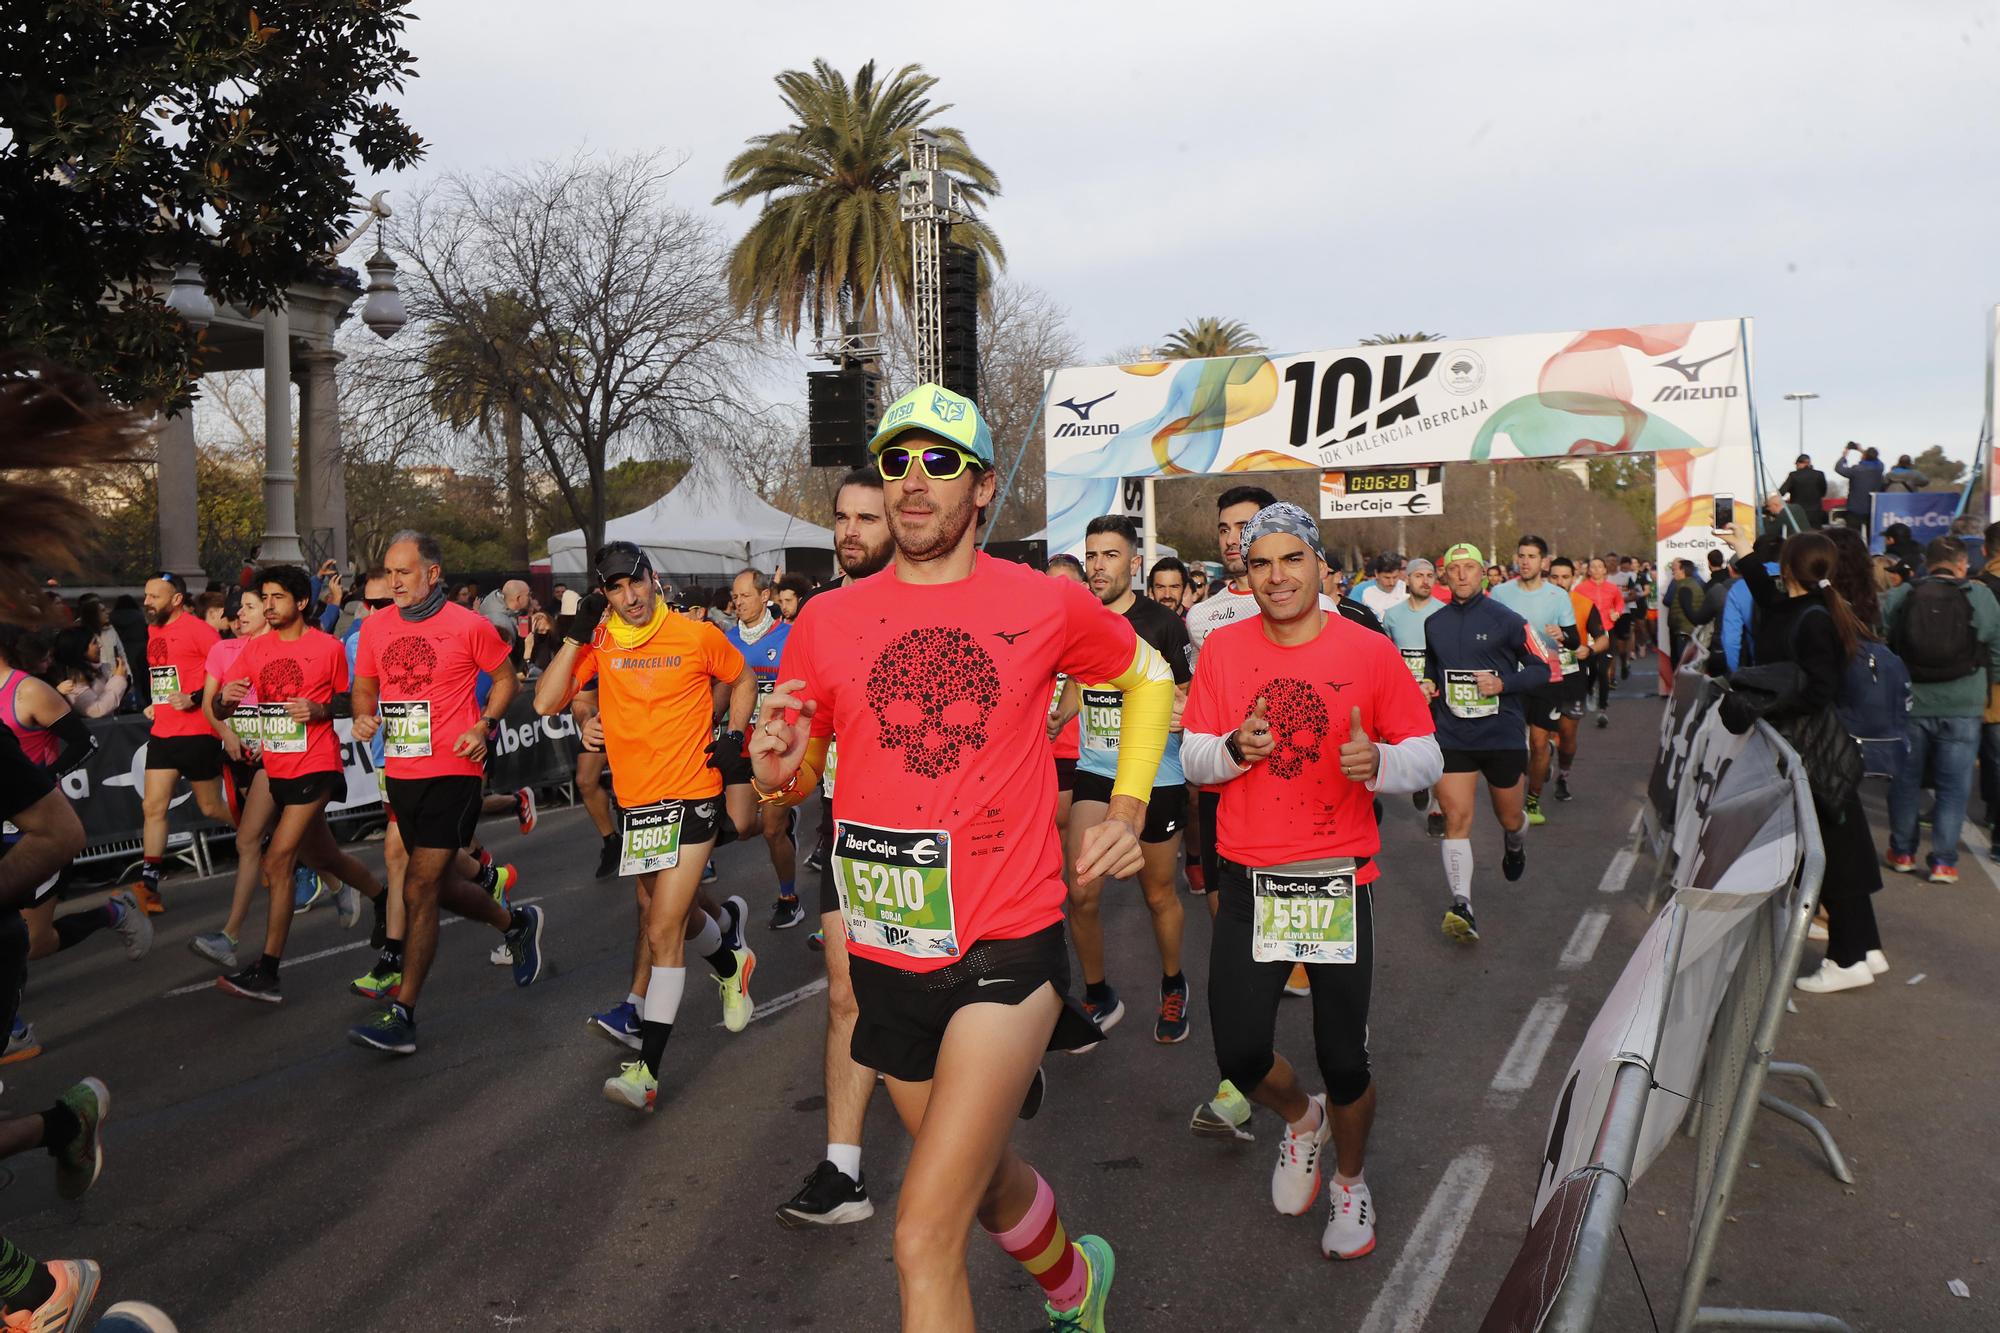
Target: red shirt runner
(1297, 805)
(177, 663)
(427, 672)
(312, 667)
(947, 794)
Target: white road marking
(1524, 1058)
(1405, 1299)
(1583, 941)
(1982, 847)
(778, 1004)
(1618, 871)
(1638, 821)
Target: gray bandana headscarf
(1283, 517)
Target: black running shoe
(1037, 1090)
(607, 859)
(815, 860)
(829, 1198)
(1562, 788)
(1513, 861)
(1421, 800)
(786, 913)
(1458, 922)
(252, 983)
(1434, 824)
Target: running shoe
(217, 946)
(829, 1198)
(1434, 824)
(1105, 1014)
(380, 982)
(1038, 1090)
(347, 906)
(133, 926)
(252, 983)
(1094, 1253)
(1295, 1179)
(1535, 815)
(524, 809)
(735, 916)
(502, 956)
(1943, 874)
(1902, 861)
(786, 913)
(389, 1029)
(620, 1023)
(607, 858)
(815, 860)
(1225, 1116)
(1513, 861)
(708, 875)
(635, 1086)
(1171, 1027)
(308, 890)
(736, 1002)
(136, 1317)
(148, 897)
(527, 949)
(68, 1305)
(1421, 800)
(1603, 720)
(1562, 788)
(1458, 922)
(1350, 1222)
(506, 879)
(21, 1043)
(1296, 981)
(816, 941)
(80, 1159)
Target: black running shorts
(1166, 811)
(1544, 707)
(196, 758)
(904, 1014)
(436, 812)
(329, 786)
(1500, 768)
(1065, 775)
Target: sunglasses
(378, 603)
(938, 462)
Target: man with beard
(836, 1192)
(936, 675)
(184, 742)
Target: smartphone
(1725, 511)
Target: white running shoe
(1350, 1222)
(1832, 977)
(1295, 1179)
(502, 956)
(134, 926)
(347, 905)
(1878, 962)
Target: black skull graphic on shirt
(408, 665)
(280, 680)
(932, 691)
(1298, 722)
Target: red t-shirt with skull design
(177, 663)
(312, 667)
(434, 661)
(940, 696)
(1297, 805)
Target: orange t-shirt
(656, 701)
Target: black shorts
(1166, 809)
(1544, 707)
(1208, 804)
(196, 758)
(1576, 690)
(699, 819)
(904, 1014)
(313, 787)
(1500, 768)
(436, 812)
(1065, 775)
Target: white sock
(846, 1156)
(663, 994)
(1458, 868)
(634, 998)
(1347, 1182)
(1308, 1123)
(706, 940)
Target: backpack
(1934, 635)
(1874, 705)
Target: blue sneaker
(708, 875)
(1094, 1252)
(308, 890)
(390, 1029)
(620, 1023)
(527, 949)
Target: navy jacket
(1482, 635)
(1864, 477)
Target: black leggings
(1850, 930)
(1243, 998)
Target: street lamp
(1801, 399)
(188, 297)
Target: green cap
(1463, 551)
(934, 408)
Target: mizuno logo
(1691, 370)
(1003, 634)
(1082, 410)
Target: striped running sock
(1040, 1245)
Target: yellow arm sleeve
(1143, 722)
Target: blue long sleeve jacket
(1482, 635)
(1736, 609)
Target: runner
(184, 742)
(836, 1191)
(1404, 624)
(418, 665)
(1552, 632)
(936, 677)
(1111, 555)
(657, 673)
(1577, 683)
(1298, 841)
(301, 679)
(1167, 584)
(760, 636)
(1480, 663)
(1609, 600)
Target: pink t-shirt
(177, 663)
(427, 672)
(312, 667)
(940, 697)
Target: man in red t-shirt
(415, 668)
(300, 676)
(936, 675)
(184, 742)
(1300, 718)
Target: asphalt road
(263, 1174)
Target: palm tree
(1386, 339)
(829, 245)
(1209, 336)
(478, 372)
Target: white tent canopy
(710, 523)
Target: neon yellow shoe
(1225, 1116)
(378, 983)
(1094, 1252)
(635, 1086)
(736, 1002)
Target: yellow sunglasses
(938, 462)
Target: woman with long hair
(1804, 619)
(1854, 578)
(79, 673)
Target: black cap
(619, 560)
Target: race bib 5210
(895, 888)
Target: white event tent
(708, 524)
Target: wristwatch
(1235, 751)
(492, 726)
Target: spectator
(1864, 479)
(1904, 477)
(1806, 488)
(1684, 594)
(467, 596)
(1900, 545)
(94, 616)
(130, 622)
(1709, 610)
(1946, 628)
(1854, 575)
(90, 685)
(246, 577)
(1989, 731)
(1197, 583)
(504, 607)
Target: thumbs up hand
(1359, 759)
(1254, 742)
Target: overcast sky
(1327, 171)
